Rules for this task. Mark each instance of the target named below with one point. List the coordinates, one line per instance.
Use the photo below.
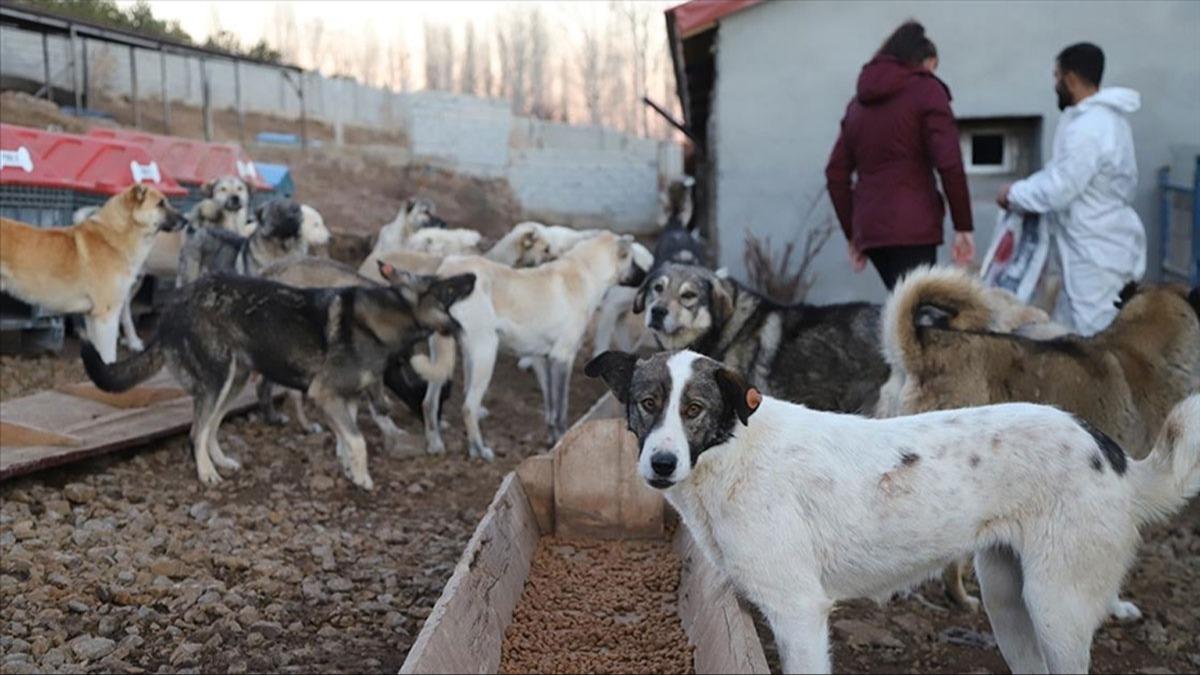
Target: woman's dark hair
(909, 45)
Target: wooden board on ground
(55, 427)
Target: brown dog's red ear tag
(753, 398)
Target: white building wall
(786, 70)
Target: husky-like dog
(276, 238)
(540, 313)
(803, 509)
(826, 357)
(332, 344)
(400, 377)
(417, 227)
(87, 268)
(1124, 380)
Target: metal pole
(75, 69)
(206, 97)
(133, 88)
(303, 115)
(166, 101)
(237, 94)
(46, 65)
(87, 80)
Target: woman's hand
(964, 248)
(858, 260)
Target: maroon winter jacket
(896, 131)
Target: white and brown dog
(802, 509)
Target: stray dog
(401, 377)
(87, 268)
(275, 239)
(417, 228)
(1124, 380)
(225, 206)
(826, 357)
(803, 509)
(539, 313)
(331, 344)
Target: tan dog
(1124, 380)
(86, 268)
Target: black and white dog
(803, 509)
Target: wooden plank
(597, 491)
(465, 630)
(716, 624)
(100, 428)
(138, 397)
(14, 435)
(537, 479)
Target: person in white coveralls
(1087, 189)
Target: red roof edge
(697, 16)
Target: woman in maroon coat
(897, 130)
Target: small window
(989, 151)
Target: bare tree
(368, 57)
(399, 64)
(591, 74)
(433, 56)
(467, 82)
(314, 33)
(486, 76)
(637, 17)
(539, 50)
(564, 91)
(285, 36)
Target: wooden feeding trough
(587, 488)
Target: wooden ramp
(77, 421)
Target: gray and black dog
(278, 237)
(400, 377)
(823, 356)
(333, 344)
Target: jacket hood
(884, 76)
(1121, 99)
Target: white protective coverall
(1087, 189)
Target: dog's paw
(482, 452)
(1124, 611)
(228, 462)
(135, 344)
(364, 481)
(435, 447)
(969, 603)
(210, 477)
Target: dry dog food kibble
(600, 607)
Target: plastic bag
(1018, 253)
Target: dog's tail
(122, 375)
(944, 297)
(1170, 475)
(440, 367)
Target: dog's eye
(688, 295)
(693, 410)
(649, 405)
(658, 288)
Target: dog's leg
(203, 406)
(560, 382)
(1123, 611)
(298, 406)
(802, 633)
(606, 324)
(952, 578)
(351, 446)
(393, 437)
(479, 361)
(431, 406)
(233, 385)
(266, 404)
(102, 332)
(127, 326)
(1068, 601)
(1001, 584)
(541, 370)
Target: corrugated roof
(700, 15)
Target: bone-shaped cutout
(19, 158)
(143, 172)
(246, 169)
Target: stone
(859, 634)
(91, 648)
(79, 493)
(185, 654)
(200, 511)
(340, 585)
(965, 637)
(268, 629)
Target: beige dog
(938, 333)
(86, 268)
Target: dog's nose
(657, 316)
(233, 202)
(663, 464)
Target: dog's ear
(138, 193)
(1127, 292)
(260, 213)
(209, 187)
(391, 274)
(639, 300)
(528, 240)
(721, 299)
(410, 204)
(739, 396)
(616, 368)
(929, 315)
(452, 289)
